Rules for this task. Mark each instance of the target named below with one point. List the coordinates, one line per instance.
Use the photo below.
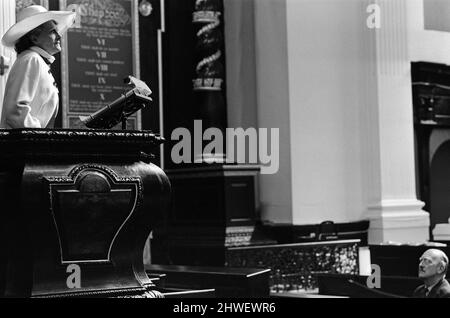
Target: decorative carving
(116, 293)
(209, 69)
(145, 8)
(238, 235)
(107, 13)
(294, 265)
(82, 145)
(20, 4)
(76, 171)
(96, 195)
(131, 136)
(209, 78)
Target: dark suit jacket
(440, 290)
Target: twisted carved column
(209, 69)
(209, 73)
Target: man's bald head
(433, 263)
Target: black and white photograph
(224, 156)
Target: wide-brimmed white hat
(31, 17)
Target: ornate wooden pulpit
(77, 207)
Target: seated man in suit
(432, 270)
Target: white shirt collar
(43, 53)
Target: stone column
(340, 93)
(388, 137)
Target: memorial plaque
(99, 52)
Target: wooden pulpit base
(77, 208)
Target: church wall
(307, 72)
(428, 42)
(324, 59)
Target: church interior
(254, 152)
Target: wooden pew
(227, 282)
(355, 286)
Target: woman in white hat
(31, 96)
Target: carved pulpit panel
(97, 197)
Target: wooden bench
(227, 282)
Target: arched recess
(440, 185)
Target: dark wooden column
(215, 203)
(209, 73)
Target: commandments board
(99, 52)
(21, 4)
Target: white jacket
(31, 96)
